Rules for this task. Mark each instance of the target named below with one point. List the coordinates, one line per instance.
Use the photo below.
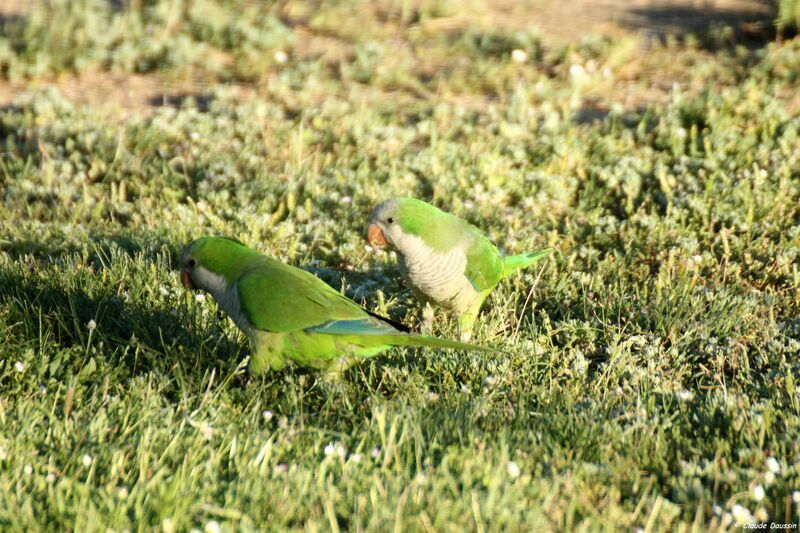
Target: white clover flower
(168, 525)
(741, 514)
(758, 493)
(773, 465)
(335, 448)
(19, 366)
(267, 415)
(87, 460)
(91, 325)
(577, 71)
(212, 526)
(519, 56)
(280, 56)
(28, 469)
(513, 469)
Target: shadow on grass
(715, 27)
(131, 337)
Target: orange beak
(375, 236)
(186, 280)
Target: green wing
(280, 298)
(484, 263)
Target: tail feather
(433, 342)
(514, 262)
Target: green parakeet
(289, 314)
(446, 260)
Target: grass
(652, 382)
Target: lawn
(650, 372)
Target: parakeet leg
(465, 324)
(426, 326)
(267, 351)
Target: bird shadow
(129, 336)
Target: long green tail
(515, 262)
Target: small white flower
(212, 526)
(578, 73)
(680, 133)
(3, 454)
(769, 478)
(19, 366)
(87, 460)
(356, 458)
(28, 470)
(376, 452)
(168, 525)
(280, 56)
(490, 380)
(685, 395)
(281, 468)
(335, 448)
(122, 493)
(347, 200)
(773, 465)
(519, 56)
(465, 390)
(513, 469)
(741, 514)
(200, 297)
(717, 510)
(50, 478)
(92, 325)
(758, 493)
(267, 415)
(796, 496)
(206, 431)
(194, 135)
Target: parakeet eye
(390, 220)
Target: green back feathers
(439, 230)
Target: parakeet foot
(426, 326)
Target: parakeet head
(399, 222)
(211, 262)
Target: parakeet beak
(186, 280)
(375, 236)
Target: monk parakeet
(289, 314)
(446, 260)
